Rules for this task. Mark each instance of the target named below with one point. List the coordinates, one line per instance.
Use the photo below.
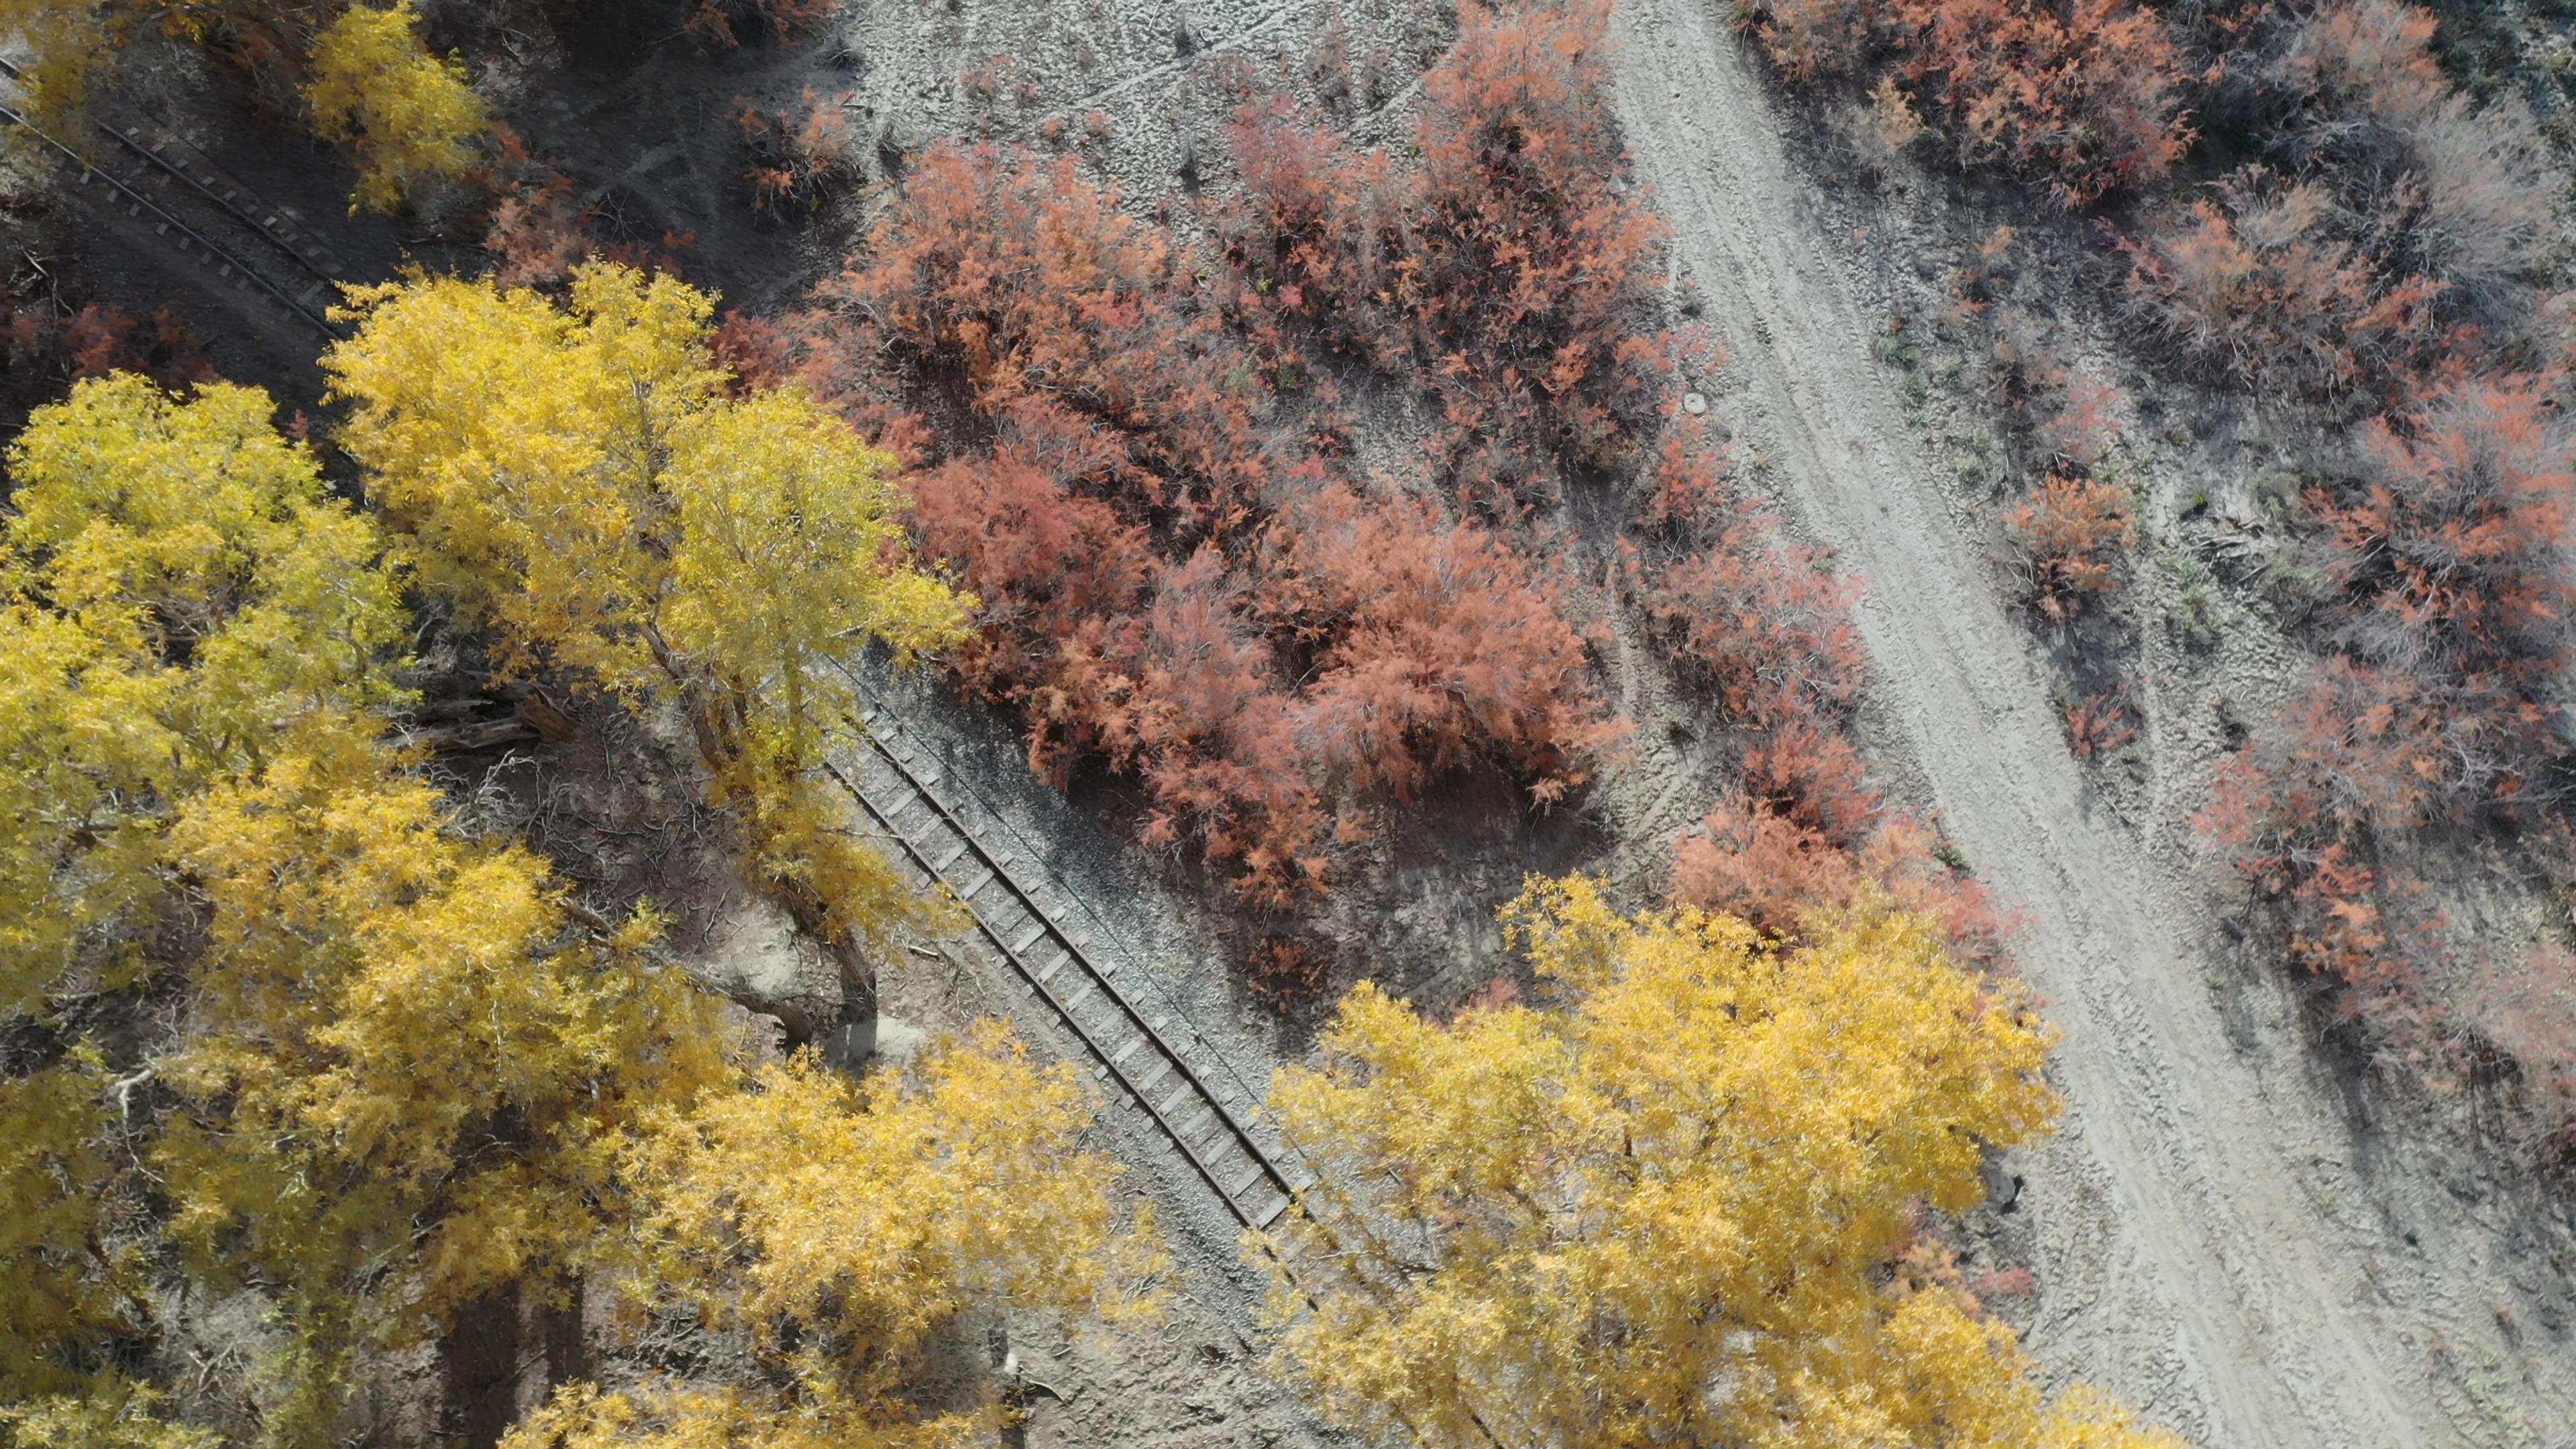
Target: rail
(1129, 1045)
(227, 261)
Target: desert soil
(2217, 1239)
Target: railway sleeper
(1255, 1173)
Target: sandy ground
(2215, 1240)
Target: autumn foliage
(1609, 1223)
(1140, 473)
(396, 1069)
(2083, 96)
(1501, 270)
(2073, 534)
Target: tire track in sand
(2211, 1243)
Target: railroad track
(1210, 1119)
(170, 185)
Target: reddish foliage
(46, 337)
(1755, 862)
(1434, 643)
(538, 230)
(1764, 617)
(1168, 583)
(1751, 860)
(2357, 761)
(797, 160)
(2080, 93)
(2074, 536)
(1507, 268)
(2452, 547)
(2256, 283)
(2358, 753)
(2363, 57)
(2100, 723)
(1287, 973)
(2084, 422)
(723, 23)
(1008, 278)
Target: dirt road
(2209, 1250)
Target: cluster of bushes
(46, 342)
(2376, 248)
(1136, 457)
(2082, 96)
(1505, 271)
(2397, 283)
(1764, 625)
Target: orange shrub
(2074, 536)
(798, 158)
(1172, 582)
(1505, 271)
(1752, 861)
(2080, 94)
(2255, 283)
(2452, 544)
(1432, 644)
(1762, 618)
(2308, 806)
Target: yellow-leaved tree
(402, 1075)
(410, 116)
(847, 1232)
(1673, 1211)
(583, 479)
(367, 74)
(405, 1078)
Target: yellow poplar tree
(146, 531)
(368, 78)
(410, 116)
(843, 1230)
(406, 1079)
(582, 478)
(1673, 1212)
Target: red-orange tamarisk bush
(2074, 535)
(2081, 95)
(1508, 268)
(1174, 582)
(2451, 548)
(2356, 761)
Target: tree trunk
(478, 1370)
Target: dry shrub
(2079, 94)
(2458, 190)
(2074, 535)
(1508, 270)
(2080, 428)
(1287, 973)
(2101, 723)
(2257, 282)
(49, 343)
(2525, 1008)
(1432, 644)
(2309, 808)
(798, 158)
(2451, 549)
(1808, 38)
(1763, 619)
(1750, 860)
(1171, 583)
(1753, 861)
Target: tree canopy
(1676, 1210)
